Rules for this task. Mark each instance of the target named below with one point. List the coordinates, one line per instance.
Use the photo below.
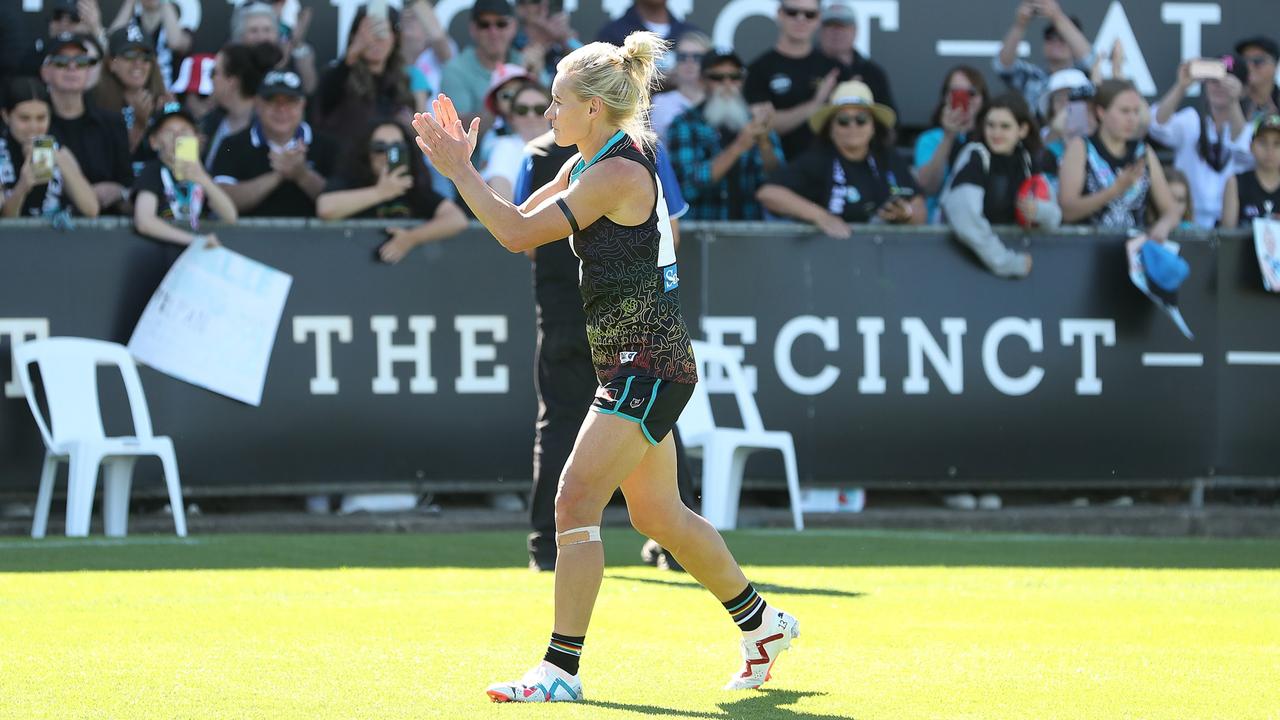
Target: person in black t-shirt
(98, 140)
(1256, 194)
(791, 82)
(384, 177)
(850, 174)
(835, 39)
(169, 190)
(984, 187)
(277, 167)
(25, 188)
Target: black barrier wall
(891, 357)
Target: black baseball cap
(494, 7)
(61, 40)
(281, 82)
(1052, 30)
(717, 57)
(1265, 44)
(129, 37)
(64, 7)
(169, 111)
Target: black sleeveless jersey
(1255, 201)
(630, 291)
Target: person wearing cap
(1262, 95)
(836, 39)
(1064, 46)
(193, 87)
(851, 173)
(1065, 108)
(97, 139)
(720, 152)
(371, 80)
(1256, 193)
(81, 17)
(159, 23)
(171, 196)
(278, 166)
(793, 80)
(132, 87)
(469, 74)
(25, 188)
(1210, 140)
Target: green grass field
(896, 625)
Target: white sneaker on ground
(761, 648)
(544, 683)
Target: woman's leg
(607, 450)
(653, 500)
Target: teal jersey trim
(581, 167)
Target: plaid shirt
(693, 145)
(1031, 80)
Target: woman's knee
(576, 505)
(660, 525)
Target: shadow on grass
(762, 587)
(506, 550)
(762, 704)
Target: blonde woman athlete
(608, 197)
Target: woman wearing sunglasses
(383, 177)
(525, 118)
(132, 87)
(850, 174)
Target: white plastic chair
(725, 450)
(68, 369)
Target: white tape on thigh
(577, 536)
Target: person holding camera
(38, 178)
(174, 187)
(384, 177)
(370, 81)
(1106, 178)
(1210, 141)
(850, 174)
(960, 101)
(1064, 47)
(986, 187)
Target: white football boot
(761, 648)
(544, 683)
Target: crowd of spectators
(102, 118)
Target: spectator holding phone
(985, 189)
(1261, 96)
(525, 119)
(691, 48)
(383, 176)
(174, 188)
(1064, 47)
(850, 174)
(132, 87)
(1210, 141)
(1106, 178)
(722, 153)
(1256, 193)
(278, 166)
(964, 91)
(38, 178)
(370, 81)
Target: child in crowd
(1256, 193)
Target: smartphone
(900, 192)
(185, 148)
(1206, 69)
(1077, 121)
(42, 157)
(396, 156)
(959, 100)
(378, 11)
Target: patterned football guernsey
(630, 291)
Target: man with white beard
(720, 151)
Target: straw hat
(853, 93)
